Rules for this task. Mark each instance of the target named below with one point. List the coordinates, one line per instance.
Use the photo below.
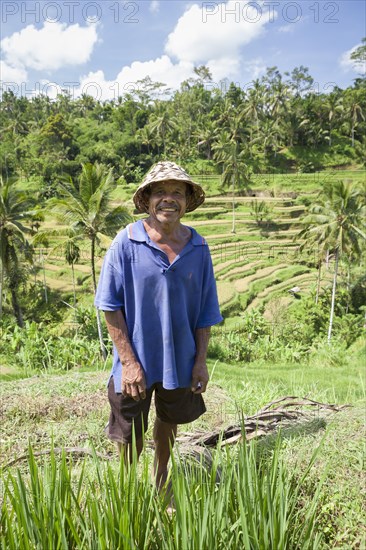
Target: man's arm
(133, 378)
(200, 373)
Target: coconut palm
(235, 170)
(253, 107)
(334, 107)
(160, 125)
(206, 136)
(14, 214)
(72, 255)
(88, 210)
(337, 223)
(354, 112)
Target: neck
(167, 230)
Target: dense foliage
(65, 158)
(280, 122)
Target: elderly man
(158, 292)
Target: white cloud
(349, 64)
(254, 69)
(223, 67)
(287, 28)
(154, 6)
(11, 74)
(213, 38)
(51, 47)
(215, 33)
(160, 70)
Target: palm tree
(160, 125)
(206, 136)
(88, 210)
(269, 135)
(354, 112)
(235, 170)
(337, 223)
(145, 137)
(252, 108)
(14, 214)
(72, 255)
(334, 106)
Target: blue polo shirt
(163, 304)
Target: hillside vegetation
(284, 216)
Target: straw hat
(164, 171)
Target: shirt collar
(136, 232)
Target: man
(158, 293)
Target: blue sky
(104, 47)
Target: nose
(168, 196)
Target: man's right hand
(133, 377)
(133, 380)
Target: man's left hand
(199, 377)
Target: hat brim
(194, 200)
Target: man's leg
(127, 450)
(164, 437)
(120, 426)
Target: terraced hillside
(258, 263)
(261, 261)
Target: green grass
(256, 383)
(58, 502)
(255, 505)
(285, 215)
(297, 496)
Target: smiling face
(168, 201)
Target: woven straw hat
(164, 171)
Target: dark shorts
(178, 406)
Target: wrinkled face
(168, 200)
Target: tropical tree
(337, 223)
(235, 170)
(161, 125)
(260, 211)
(252, 108)
(206, 136)
(354, 113)
(269, 135)
(334, 106)
(14, 245)
(87, 208)
(358, 56)
(72, 255)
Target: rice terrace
(277, 462)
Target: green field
(302, 487)
(274, 242)
(71, 410)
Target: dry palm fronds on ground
(285, 412)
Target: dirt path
(283, 200)
(224, 265)
(243, 269)
(249, 233)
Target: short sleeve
(110, 289)
(210, 310)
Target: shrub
(38, 349)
